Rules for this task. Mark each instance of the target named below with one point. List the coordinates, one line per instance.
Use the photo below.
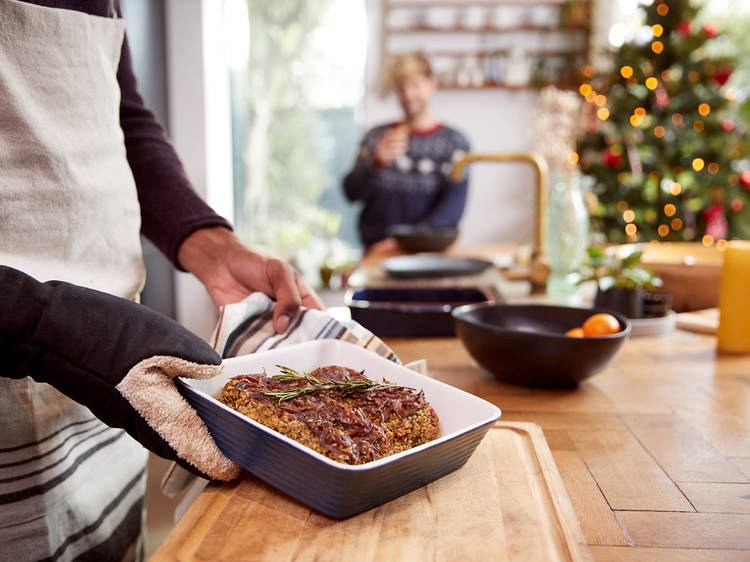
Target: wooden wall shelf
(483, 3)
(506, 51)
(486, 29)
(561, 85)
(483, 36)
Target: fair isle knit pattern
(415, 189)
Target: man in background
(402, 171)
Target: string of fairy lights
(649, 118)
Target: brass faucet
(539, 270)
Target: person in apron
(84, 168)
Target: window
(297, 85)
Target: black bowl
(420, 238)
(526, 344)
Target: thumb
(282, 279)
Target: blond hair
(407, 65)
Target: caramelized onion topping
(351, 426)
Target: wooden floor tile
(684, 455)
(718, 498)
(720, 418)
(585, 400)
(626, 473)
(726, 431)
(564, 420)
(598, 523)
(626, 554)
(687, 530)
(559, 440)
(742, 463)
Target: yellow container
(734, 299)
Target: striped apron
(70, 486)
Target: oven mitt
(115, 357)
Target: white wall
(199, 129)
(501, 198)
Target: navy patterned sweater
(415, 189)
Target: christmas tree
(666, 153)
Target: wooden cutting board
(507, 503)
(702, 321)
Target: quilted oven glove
(117, 358)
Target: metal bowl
(526, 344)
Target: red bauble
(716, 221)
(662, 98)
(722, 76)
(711, 29)
(611, 159)
(736, 205)
(713, 212)
(727, 125)
(745, 179)
(683, 28)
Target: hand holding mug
(392, 144)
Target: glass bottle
(567, 232)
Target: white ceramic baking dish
(333, 488)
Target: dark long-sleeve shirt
(415, 189)
(170, 208)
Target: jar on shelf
(473, 17)
(509, 16)
(493, 65)
(517, 68)
(470, 73)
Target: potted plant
(623, 284)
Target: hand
(386, 247)
(231, 271)
(391, 144)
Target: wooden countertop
(507, 500)
(654, 451)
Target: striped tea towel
(246, 327)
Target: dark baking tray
(410, 312)
(432, 265)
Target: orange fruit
(575, 332)
(600, 324)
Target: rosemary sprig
(346, 386)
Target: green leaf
(744, 111)
(637, 275)
(632, 259)
(606, 282)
